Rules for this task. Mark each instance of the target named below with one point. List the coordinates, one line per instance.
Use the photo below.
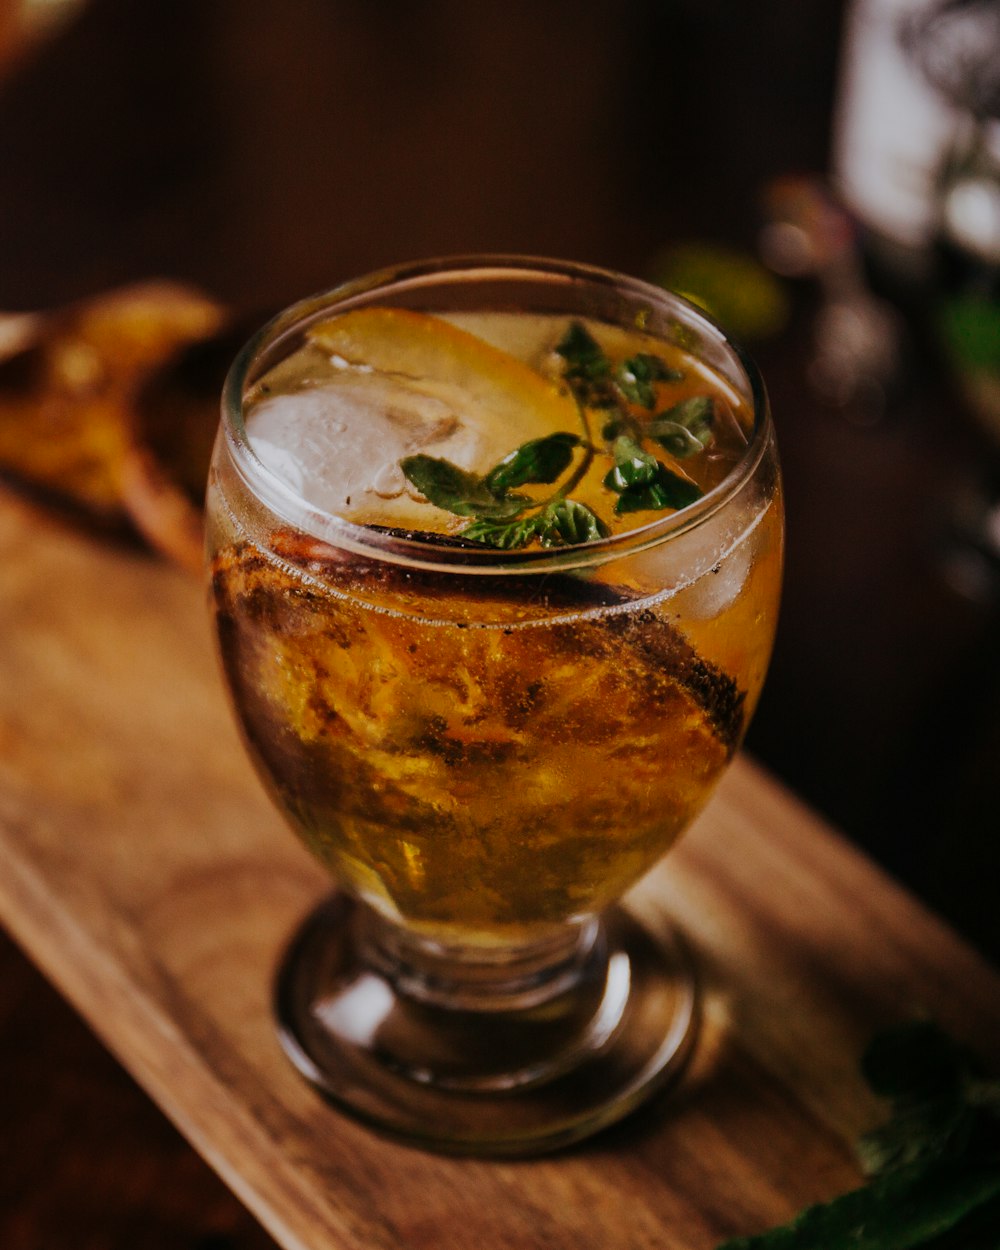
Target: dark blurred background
(263, 151)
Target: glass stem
(482, 979)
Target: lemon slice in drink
(509, 399)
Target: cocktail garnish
(626, 393)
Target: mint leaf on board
(977, 1231)
(539, 460)
(900, 1211)
(928, 1079)
(934, 1165)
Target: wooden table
(148, 876)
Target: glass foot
(487, 1054)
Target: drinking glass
(487, 748)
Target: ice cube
(708, 564)
(720, 587)
(339, 444)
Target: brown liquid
(483, 756)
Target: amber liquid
(485, 757)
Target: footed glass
(495, 548)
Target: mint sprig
(934, 1166)
(503, 517)
(498, 511)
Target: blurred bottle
(916, 159)
(892, 128)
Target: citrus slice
(515, 401)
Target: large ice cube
(339, 444)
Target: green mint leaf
(679, 441)
(633, 466)
(563, 523)
(919, 1133)
(540, 460)
(978, 1231)
(504, 535)
(663, 490)
(582, 353)
(637, 378)
(456, 489)
(588, 370)
(695, 416)
(568, 522)
(900, 1211)
(936, 1161)
(930, 1081)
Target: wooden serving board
(148, 876)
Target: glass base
(486, 1053)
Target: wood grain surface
(147, 875)
(87, 1161)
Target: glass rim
(442, 553)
